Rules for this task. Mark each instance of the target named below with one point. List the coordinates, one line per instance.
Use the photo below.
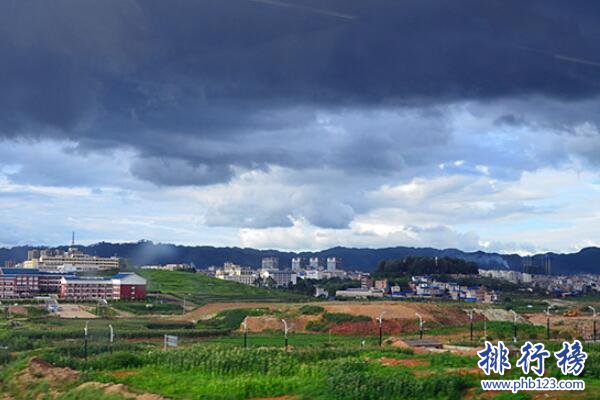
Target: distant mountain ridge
(145, 252)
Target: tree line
(414, 265)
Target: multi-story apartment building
(270, 263)
(366, 282)
(314, 274)
(334, 263)
(236, 273)
(297, 264)
(246, 279)
(281, 278)
(382, 284)
(313, 262)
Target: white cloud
(477, 184)
(303, 236)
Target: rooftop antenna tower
(72, 248)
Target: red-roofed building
(122, 286)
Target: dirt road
(392, 309)
(74, 311)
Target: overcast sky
(301, 124)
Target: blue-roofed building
(30, 282)
(27, 282)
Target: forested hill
(145, 252)
(413, 265)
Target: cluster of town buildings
(318, 269)
(170, 267)
(315, 268)
(74, 275)
(421, 287)
(557, 285)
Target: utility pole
(380, 319)
(514, 325)
(470, 312)
(420, 325)
(593, 322)
(484, 327)
(548, 321)
(245, 325)
(285, 332)
(111, 337)
(85, 341)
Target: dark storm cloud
(510, 120)
(176, 172)
(199, 87)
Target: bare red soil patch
(411, 362)
(390, 327)
(286, 397)
(124, 373)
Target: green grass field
(212, 363)
(201, 288)
(313, 367)
(294, 340)
(148, 307)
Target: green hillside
(202, 288)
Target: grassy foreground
(46, 359)
(313, 367)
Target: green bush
(311, 310)
(230, 319)
(36, 312)
(169, 325)
(338, 318)
(592, 365)
(5, 357)
(316, 326)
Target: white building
(236, 273)
(281, 277)
(270, 263)
(359, 293)
(297, 264)
(246, 279)
(51, 260)
(313, 274)
(169, 267)
(313, 262)
(334, 263)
